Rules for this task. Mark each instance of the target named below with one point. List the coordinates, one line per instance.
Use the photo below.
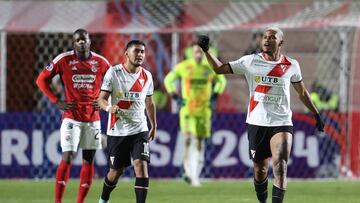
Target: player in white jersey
(129, 87)
(269, 75)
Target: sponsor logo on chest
(268, 98)
(269, 81)
(128, 95)
(83, 81)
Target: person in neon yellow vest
(200, 86)
(324, 99)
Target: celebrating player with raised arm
(129, 87)
(269, 75)
(81, 72)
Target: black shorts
(259, 140)
(123, 148)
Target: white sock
(187, 168)
(186, 160)
(194, 162)
(201, 159)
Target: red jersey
(81, 79)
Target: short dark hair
(134, 42)
(81, 31)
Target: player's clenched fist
(203, 42)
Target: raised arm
(305, 98)
(217, 65)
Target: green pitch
(177, 191)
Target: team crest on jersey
(49, 67)
(142, 82)
(282, 66)
(257, 79)
(94, 69)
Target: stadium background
(322, 35)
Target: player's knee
(114, 174)
(68, 156)
(199, 142)
(139, 164)
(187, 141)
(140, 168)
(260, 172)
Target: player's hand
(213, 100)
(95, 104)
(65, 106)
(152, 134)
(203, 42)
(114, 109)
(319, 122)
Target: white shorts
(73, 133)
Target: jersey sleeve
(240, 66)
(170, 79)
(108, 80)
(44, 79)
(151, 86)
(106, 65)
(296, 77)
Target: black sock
(277, 194)
(261, 189)
(141, 188)
(107, 188)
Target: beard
(136, 64)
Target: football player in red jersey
(81, 72)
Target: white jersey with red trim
(269, 86)
(128, 91)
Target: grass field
(176, 191)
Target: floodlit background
(324, 36)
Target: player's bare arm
(104, 104)
(151, 113)
(305, 98)
(216, 64)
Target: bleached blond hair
(278, 31)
